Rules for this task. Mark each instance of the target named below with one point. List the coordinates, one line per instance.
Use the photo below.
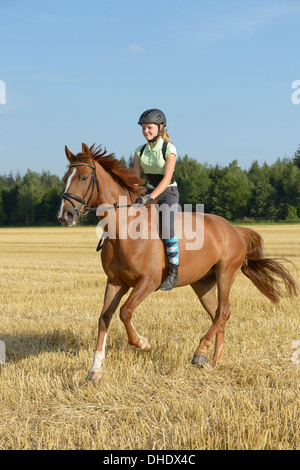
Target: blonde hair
(165, 136)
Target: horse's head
(82, 186)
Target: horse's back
(200, 231)
(207, 240)
(204, 241)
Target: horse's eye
(84, 178)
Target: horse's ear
(85, 149)
(70, 156)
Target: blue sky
(222, 72)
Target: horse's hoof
(147, 347)
(145, 344)
(199, 359)
(94, 376)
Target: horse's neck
(112, 193)
(110, 190)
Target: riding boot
(171, 279)
(172, 249)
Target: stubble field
(52, 287)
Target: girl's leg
(169, 206)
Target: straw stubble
(52, 287)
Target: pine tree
(296, 159)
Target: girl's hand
(144, 199)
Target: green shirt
(152, 160)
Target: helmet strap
(158, 135)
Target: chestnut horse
(95, 178)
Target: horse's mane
(126, 177)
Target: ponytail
(165, 136)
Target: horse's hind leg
(225, 278)
(210, 303)
(113, 295)
(206, 292)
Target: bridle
(93, 182)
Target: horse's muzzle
(69, 217)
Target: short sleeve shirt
(152, 160)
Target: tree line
(261, 193)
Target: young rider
(157, 160)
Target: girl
(157, 160)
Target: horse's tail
(267, 274)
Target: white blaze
(66, 190)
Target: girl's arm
(137, 165)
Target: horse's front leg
(144, 287)
(113, 295)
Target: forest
(261, 193)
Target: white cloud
(136, 48)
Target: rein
(115, 206)
(93, 182)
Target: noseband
(93, 182)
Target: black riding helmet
(153, 116)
